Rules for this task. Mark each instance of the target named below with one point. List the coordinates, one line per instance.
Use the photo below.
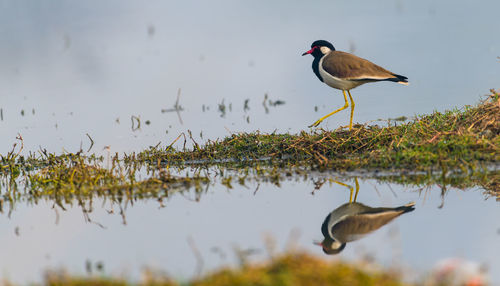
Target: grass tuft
(465, 139)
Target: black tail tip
(408, 207)
(401, 78)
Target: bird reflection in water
(353, 220)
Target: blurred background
(72, 68)
(69, 68)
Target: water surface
(88, 67)
(71, 69)
(222, 221)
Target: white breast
(335, 82)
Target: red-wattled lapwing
(352, 221)
(346, 71)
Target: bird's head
(331, 246)
(320, 48)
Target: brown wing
(356, 226)
(348, 66)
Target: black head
(331, 246)
(334, 248)
(319, 48)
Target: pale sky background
(81, 65)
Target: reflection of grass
(459, 139)
(489, 181)
(77, 178)
(461, 145)
(290, 269)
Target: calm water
(83, 66)
(77, 68)
(230, 219)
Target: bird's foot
(346, 126)
(315, 124)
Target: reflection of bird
(352, 221)
(346, 71)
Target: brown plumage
(348, 66)
(352, 221)
(355, 227)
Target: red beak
(308, 52)
(319, 243)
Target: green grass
(465, 139)
(455, 148)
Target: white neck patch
(325, 50)
(336, 244)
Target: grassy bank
(457, 148)
(465, 139)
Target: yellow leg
(347, 186)
(332, 113)
(357, 188)
(351, 189)
(352, 111)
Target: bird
(352, 221)
(346, 71)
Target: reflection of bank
(352, 221)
